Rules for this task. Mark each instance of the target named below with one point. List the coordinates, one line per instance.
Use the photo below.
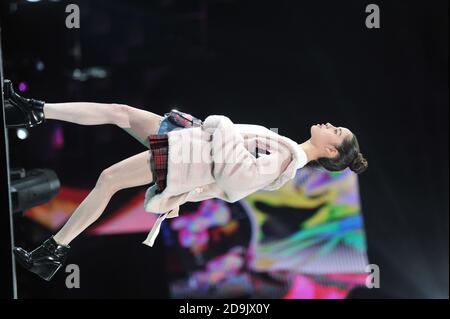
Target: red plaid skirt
(159, 147)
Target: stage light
(29, 189)
(97, 72)
(94, 72)
(40, 65)
(23, 86)
(58, 137)
(78, 75)
(22, 133)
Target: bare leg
(131, 172)
(138, 123)
(142, 123)
(87, 113)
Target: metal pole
(8, 283)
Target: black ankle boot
(45, 260)
(19, 111)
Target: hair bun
(359, 164)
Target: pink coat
(217, 160)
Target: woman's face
(327, 136)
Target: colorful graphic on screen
(304, 240)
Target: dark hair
(349, 156)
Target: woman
(211, 159)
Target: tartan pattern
(183, 119)
(159, 146)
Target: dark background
(282, 64)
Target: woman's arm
(237, 171)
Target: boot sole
(46, 271)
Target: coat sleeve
(237, 171)
(212, 122)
